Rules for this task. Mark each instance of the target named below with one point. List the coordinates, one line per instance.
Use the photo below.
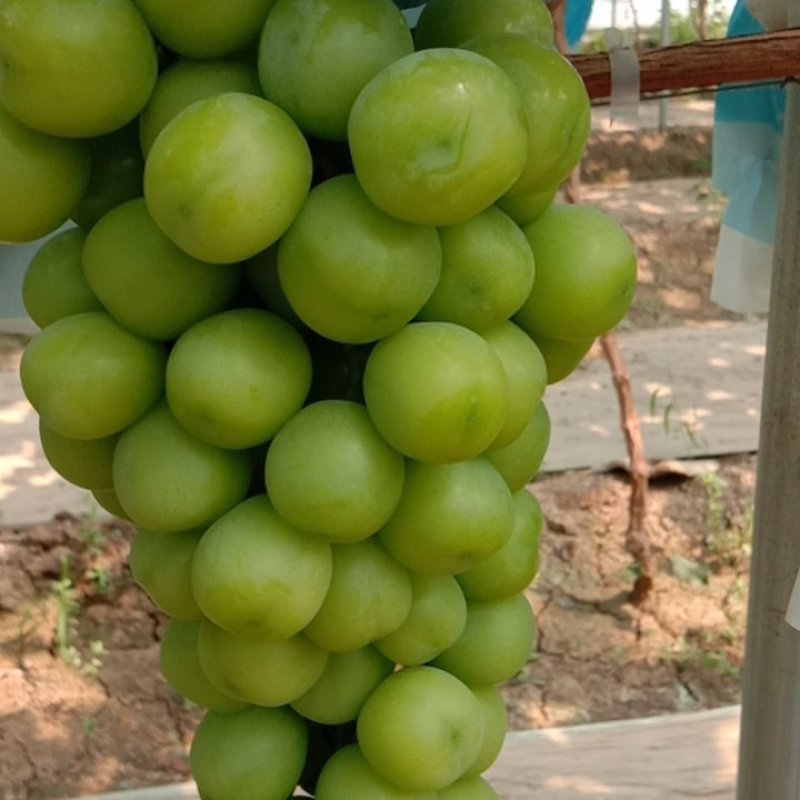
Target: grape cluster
(300, 335)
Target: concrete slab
(677, 757)
(698, 391)
(30, 491)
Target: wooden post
(769, 758)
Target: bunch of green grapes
(300, 335)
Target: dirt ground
(83, 709)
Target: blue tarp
(748, 126)
(576, 21)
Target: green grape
(85, 462)
(369, 597)
(259, 671)
(328, 471)
(90, 378)
(167, 480)
(253, 754)
(487, 272)
(315, 58)
(149, 285)
(235, 378)
(54, 285)
(257, 576)
(344, 686)
(436, 392)
(496, 642)
(450, 517)
(436, 620)
(519, 461)
(186, 81)
(421, 729)
(161, 563)
(180, 665)
(514, 566)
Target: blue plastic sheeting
(576, 20)
(748, 126)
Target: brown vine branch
(637, 541)
(702, 65)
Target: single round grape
(512, 568)
(469, 788)
(350, 271)
(147, 283)
(555, 103)
(348, 776)
(344, 686)
(436, 392)
(75, 68)
(585, 274)
(89, 378)
(526, 208)
(436, 620)
(161, 563)
(316, 56)
(369, 597)
(421, 729)
(450, 516)
(519, 461)
(495, 721)
(562, 356)
(42, 178)
(186, 81)
(256, 576)
(329, 471)
(438, 136)
(54, 285)
(451, 23)
(234, 379)
(180, 665)
(167, 480)
(496, 642)
(85, 462)
(487, 272)
(206, 28)
(526, 372)
(227, 176)
(107, 500)
(253, 754)
(258, 671)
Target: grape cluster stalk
(304, 285)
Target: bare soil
(82, 706)
(644, 155)
(599, 657)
